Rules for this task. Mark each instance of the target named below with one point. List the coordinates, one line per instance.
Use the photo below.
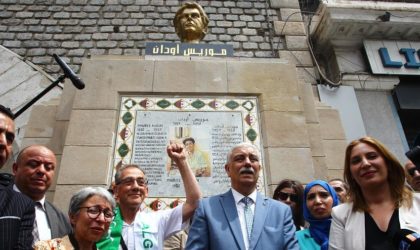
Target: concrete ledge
(91, 128)
(284, 129)
(297, 43)
(331, 128)
(42, 122)
(289, 28)
(335, 152)
(85, 165)
(284, 160)
(291, 14)
(299, 58)
(192, 76)
(105, 78)
(284, 4)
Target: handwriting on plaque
(188, 49)
(214, 133)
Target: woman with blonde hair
(380, 206)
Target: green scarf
(111, 240)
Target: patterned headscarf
(319, 229)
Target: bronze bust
(191, 23)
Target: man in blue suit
(242, 218)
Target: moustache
(246, 170)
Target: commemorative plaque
(208, 127)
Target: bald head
(34, 170)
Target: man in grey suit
(17, 212)
(34, 171)
(242, 218)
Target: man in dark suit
(16, 210)
(34, 171)
(242, 218)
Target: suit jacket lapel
(260, 214)
(52, 219)
(228, 204)
(3, 196)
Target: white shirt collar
(238, 196)
(42, 201)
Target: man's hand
(176, 151)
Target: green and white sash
(111, 240)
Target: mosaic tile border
(122, 152)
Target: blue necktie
(249, 217)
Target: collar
(42, 201)
(238, 196)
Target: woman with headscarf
(318, 200)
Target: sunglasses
(411, 171)
(284, 196)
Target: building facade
(369, 54)
(306, 62)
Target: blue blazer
(216, 225)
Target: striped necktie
(249, 217)
(35, 231)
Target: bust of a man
(190, 23)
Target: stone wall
(76, 29)
(298, 140)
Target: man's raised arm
(192, 191)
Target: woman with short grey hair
(91, 211)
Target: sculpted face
(191, 20)
(7, 136)
(34, 171)
(190, 23)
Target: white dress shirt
(44, 229)
(240, 207)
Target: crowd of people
(375, 206)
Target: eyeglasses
(284, 196)
(130, 181)
(411, 171)
(94, 212)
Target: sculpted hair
(298, 188)
(7, 112)
(396, 176)
(243, 145)
(117, 177)
(81, 196)
(191, 5)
